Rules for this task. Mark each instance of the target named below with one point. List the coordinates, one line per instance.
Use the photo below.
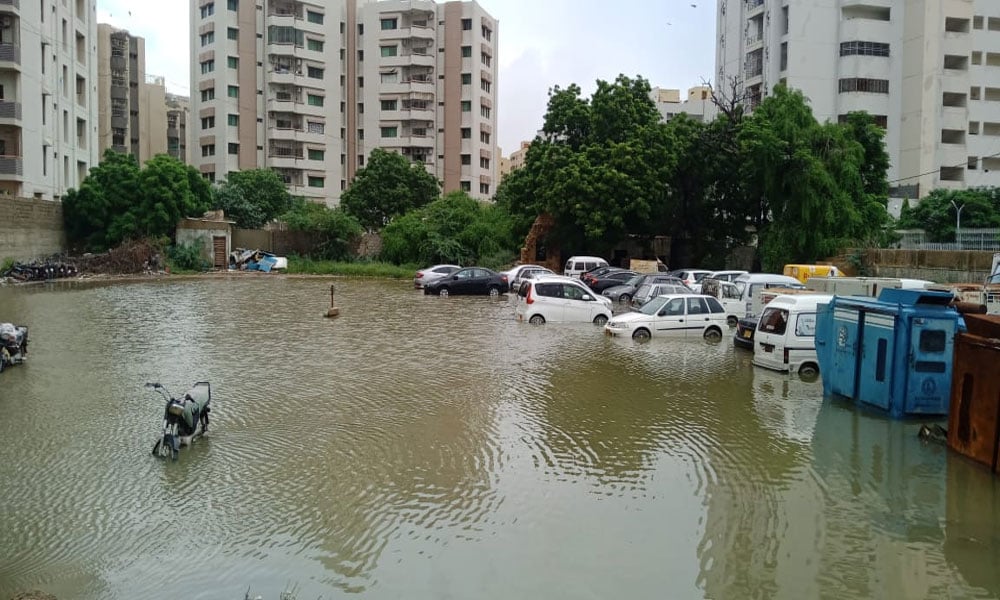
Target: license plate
(746, 333)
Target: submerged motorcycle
(182, 418)
(13, 344)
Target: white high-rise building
(928, 71)
(311, 87)
(48, 99)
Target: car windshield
(634, 280)
(654, 305)
(740, 286)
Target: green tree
(935, 213)
(253, 197)
(335, 229)
(107, 193)
(388, 186)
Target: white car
(520, 272)
(554, 299)
(672, 315)
(425, 276)
(718, 275)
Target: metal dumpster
(893, 354)
(974, 419)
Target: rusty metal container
(974, 415)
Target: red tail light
(420, 274)
(503, 278)
(529, 299)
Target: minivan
(748, 287)
(785, 337)
(578, 265)
(556, 299)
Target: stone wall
(941, 266)
(30, 228)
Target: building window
(485, 111)
(783, 66)
(233, 120)
(466, 51)
(314, 17)
(388, 105)
(316, 154)
(484, 188)
(361, 82)
(233, 91)
(466, 106)
(314, 45)
(207, 122)
(485, 85)
(233, 62)
(361, 134)
(864, 49)
(208, 10)
(487, 33)
(233, 4)
(388, 50)
(314, 100)
(315, 127)
(388, 24)
(208, 150)
(390, 132)
(466, 186)
(232, 33)
(208, 94)
(484, 137)
(861, 84)
(392, 77)
(207, 67)
(207, 38)
(234, 148)
(466, 159)
(316, 182)
(361, 160)
(484, 163)
(487, 59)
(466, 24)
(314, 72)
(466, 133)
(466, 78)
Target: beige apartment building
(132, 106)
(515, 161)
(697, 104)
(311, 87)
(48, 106)
(178, 133)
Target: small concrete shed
(212, 233)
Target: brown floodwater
(420, 447)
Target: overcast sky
(542, 43)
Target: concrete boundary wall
(941, 266)
(30, 228)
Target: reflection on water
(423, 447)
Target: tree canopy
(252, 197)
(334, 228)
(118, 200)
(935, 214)
(388, 186)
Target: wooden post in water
(333, 311)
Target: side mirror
(454, 277)
(587, 298)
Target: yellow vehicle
(804, 272)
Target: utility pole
(958, 223)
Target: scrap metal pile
(242, 259)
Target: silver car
(525, 272)
(425, 276)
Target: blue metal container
(893, 354)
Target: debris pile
(131, 257)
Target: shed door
(878, 359)
(932, 342)
(847, 324)
(219, 251)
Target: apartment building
(178, 109)
(311, 87)
(697, 104)
(48, 107)
(928, 71)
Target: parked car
(610, 279)
(785, 337)
(536, 273)
(624, 292)
(591, 275)
(515, 275)
(718, 276)
(648, 291)
(749, 286)
(470, 281)
(433, 273)
(690, 277)
(577, 265)
(559, 299)
(676, 315)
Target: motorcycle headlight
(175, 409)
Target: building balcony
(10, 111)
(10, 56)
(423, 33)
(11, 167)
(753, 7)
(10, 7)
(279, 19)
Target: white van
(578, 265)
(785, 337)
(558, 299)
(749, 287)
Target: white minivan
(578, 265)
(558, 299)
(785, 339)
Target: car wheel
(732, 321)
(809, 370)
(600, 320)
(713, 335)
(443, 292)
(536, 319)
(625, 298)
(494, 291)
(641, 335)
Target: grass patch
(301, 265)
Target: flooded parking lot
(423, 447)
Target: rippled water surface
(420, 447)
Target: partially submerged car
(672, 315)
(13, 344)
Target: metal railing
(11, 165)
(10, 110)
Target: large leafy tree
(935, 214)
(118, 200)
(388, 186)
(334, 228)
(253, 197)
